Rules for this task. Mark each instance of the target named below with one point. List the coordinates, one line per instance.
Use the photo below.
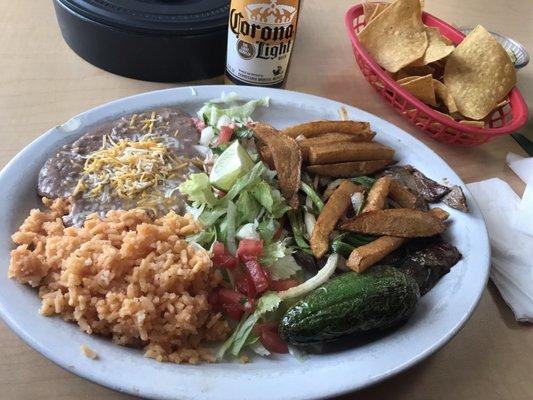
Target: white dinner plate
(441, 313)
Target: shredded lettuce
(222, 230)
(248, 208)
(270, 198)
(249, 231)
(243, 132)
(231, 340)
(255, 200)
(209, 217)
(195, 211)
(203, 238)
(231, 216)
(266, 303)
(262, 192)
(251, 177)
(284, 268)
(198, 190)
(315, 198)
(267, 228)
(274, 251)
(297, 225)
(227, 106)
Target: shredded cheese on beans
(129, 168)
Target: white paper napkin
(510, 224)
(523, 167)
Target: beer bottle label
(260, 39)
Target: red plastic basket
(503, 121)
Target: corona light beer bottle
(261, 36)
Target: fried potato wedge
(266, 156)
(349, 169)
(287, 159)
(377, 196)
(367, 255)
(364, 256)
(403, 196)
(342, 152)
(316, 128)
(328, 138)
(336, 206)
(439, 213)
(401, 222)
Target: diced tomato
(272, 341)
(214, 302)
(218, 249)
(233, 311)
(226, 132)
(249, 249)
(222, 258)
(283, 284)
(229, 262)
(257, 275)
(212, 298)
(228, 296)
(268, 325)
(246, 287)
(198, 123)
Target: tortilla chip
(287, 159)
(445, 115)
(372, 10)
(337, 204)
(443, 93)
(478, 74)
(368, 10)
(422, 119)
(447, 41)
(502, 103)
(399, 222)
(437, 49)
(421, 87)
(411, 113)
(415, 71)
(407, 79)
(349, 169)
(477, 124)
(377, 10)
(395, 48)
